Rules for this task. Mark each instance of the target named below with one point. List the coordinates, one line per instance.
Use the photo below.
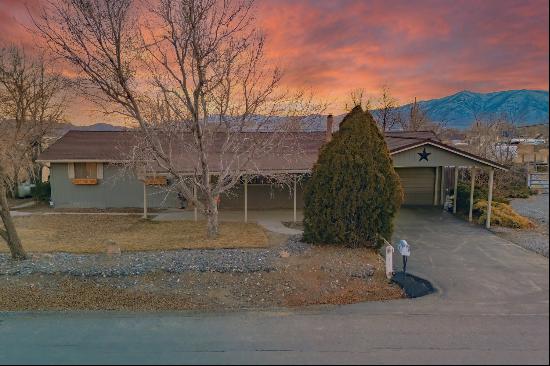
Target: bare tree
(490, 136)
(30, 103)
(386, 110)
(417, 119)
(357, 97)
(192, 75)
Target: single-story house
(86, 172)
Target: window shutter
(99, 170)
(70, 171)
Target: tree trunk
(10, 234)
(212, 218)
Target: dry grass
(88, 234)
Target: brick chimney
(330, 123)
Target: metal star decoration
(423, 155)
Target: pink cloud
(424, 49)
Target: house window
(85, 170)
(85, 173)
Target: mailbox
(404, 248)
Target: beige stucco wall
(437, 157)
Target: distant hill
(99, 127)
(528, 107)
(459, 110)
(62, 128)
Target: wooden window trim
(156, 181)
(85, 181)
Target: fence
(538, 181)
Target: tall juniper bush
(354, 192)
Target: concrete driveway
(471, 266)
(491, 307)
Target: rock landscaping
(535, 238)
(141, 263)
(291, 274)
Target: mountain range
(523, 107)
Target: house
(86, 171)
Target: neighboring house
(529, 152)
(86, 171)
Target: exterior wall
(531, 154)
(113, 191)
(437, 157)
(262, 196)
(116, 191)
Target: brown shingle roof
(114, 146)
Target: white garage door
(418, 185)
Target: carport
(427, 167)
(422, 163)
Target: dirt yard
(89, 233)
(321, 275)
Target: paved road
(491, 307)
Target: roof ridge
(410, 137)
(138, 130)
(76, 130)
(430, 131)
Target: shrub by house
(354, 192)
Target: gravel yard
(535, 208)
(293, 274)
(140, 263)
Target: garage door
(418, 185)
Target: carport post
(436, 185)
(455, 190)
(245, 199)
(472, 187)
(195, 205)
(294, 199)
(442, 195)
(144, 200)
(490, 198)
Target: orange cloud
(424, 49)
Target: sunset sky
(426, 49)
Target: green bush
(480, 193)
(41, 191)
(353, 193)
(511, 183)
